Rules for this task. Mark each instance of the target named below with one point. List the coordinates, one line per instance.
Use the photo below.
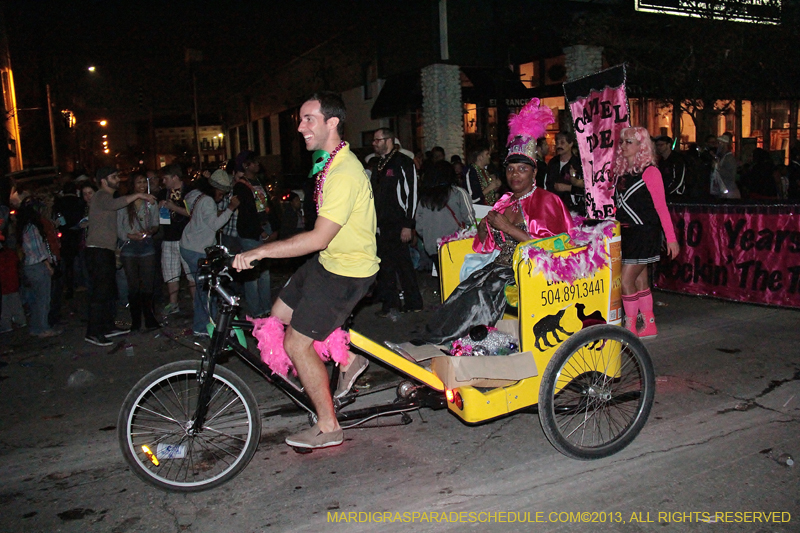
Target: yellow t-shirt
(347, 201)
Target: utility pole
(52, 127)
(193, 57)
(196, 122)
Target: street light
(85, 138)
(91, 68)
(69, 118)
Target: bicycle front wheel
(596, 392)
(156, 436)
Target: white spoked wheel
(156, 436)
(596, 392)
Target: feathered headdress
(531, 122)
(527, 126)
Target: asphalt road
(727, 405)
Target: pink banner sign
(736, 255)
(599, 109)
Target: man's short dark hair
(104, 172)
(568, 137)
(476, 150)
(245, 157)
(173, 170)
(331, 105)
(387, 132)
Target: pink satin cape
(544, 214)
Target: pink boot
(630, 325)
(631, 306)
(650, 330)
(646, 308)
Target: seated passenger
(527, 212)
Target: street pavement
(727, 407)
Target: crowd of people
(135, 237)
(712, 172)
(138, 247)
(131, 239)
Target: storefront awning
(493, 87)
(400, 94)
(487, 87)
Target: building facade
(484, 60)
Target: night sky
(139, 47)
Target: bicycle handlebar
(214, 267)
(212, 271)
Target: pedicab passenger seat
(452, 255)
(556, 243)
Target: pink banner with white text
(742, 253)
(599, 108)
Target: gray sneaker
(313, 437)
(347, 378)
(116, 332)
(98, 340)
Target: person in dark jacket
(254, 228)
(394, 185)
(760, 180)
(672, 166)
(565, 174)
(68, 211)
(292, 221)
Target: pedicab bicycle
(559, 348)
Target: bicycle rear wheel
(596, 392)
(154, 428)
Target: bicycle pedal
(302, 451)
(344, 401)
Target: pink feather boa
(578, 265)
(466, 233)
(270, 332)
(569, 268)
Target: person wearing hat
(726, 168)
(526, 212)
(200, 233)
(100, 256)
(173, 219)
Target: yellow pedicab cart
(591, 380)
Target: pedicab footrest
(484, 371)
